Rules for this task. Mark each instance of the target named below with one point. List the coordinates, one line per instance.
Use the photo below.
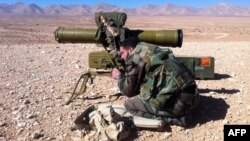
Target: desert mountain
(220, 9)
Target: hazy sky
(132, 3)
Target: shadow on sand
(219, 91)
(208, 109)
(218, 76)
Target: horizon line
(167, 3)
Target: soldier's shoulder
(144, 44)
(143, 47)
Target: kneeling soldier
(159, 86)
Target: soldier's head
(127, 46)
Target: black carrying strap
(98, 33)
(83, 119)
(84, 77)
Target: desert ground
(36, 73)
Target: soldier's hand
(115, 73)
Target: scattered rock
(12, 92)
(166, 136)
(30, 116)
(21, 107)
(42, 82)
(50, 138)
(27, 101)
(77, 66)
(35, 123)
(2, 124)
(21, 124)
(186, 131)
(38, 134)
(59, 120)
(14, 108)
(15, 112)
(46, 98)
(7, 84)
(225, 121)
(19, 131)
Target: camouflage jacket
(155, 74)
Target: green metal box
(202, 67)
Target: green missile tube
(75, 35)
(171, 38)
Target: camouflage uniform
(160, 86)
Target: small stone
(166, 135)
(186, 132)
(14, 108)
(21, 107)
(179, 128)
(35, 123)
(46, 98)
(77, 66)
(38, 135)
(30, 116)
(59, 120)
(19, 131)
(21, 124)
(225, 121)
(27, 102)
(28, 87)
(2, 124)
(15, 112)
(7, 85)
(50, 138)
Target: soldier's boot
(180, 121)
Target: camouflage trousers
(183, 104)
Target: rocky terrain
(36, 73)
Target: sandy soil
(36, 72)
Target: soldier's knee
(129, 105)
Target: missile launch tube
(171, 38)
